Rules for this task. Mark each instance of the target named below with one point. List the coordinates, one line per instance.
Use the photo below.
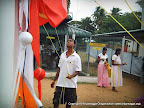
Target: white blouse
(116, 59)
(102, 57)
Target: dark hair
(104, 48)
(73, 40)
(117, 50)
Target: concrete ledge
(50, 74)
(85, 79)
(89, 79)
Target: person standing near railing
(116, 71)
(103, 79)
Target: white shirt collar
(72, 54)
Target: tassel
(39, 89)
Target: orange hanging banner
(34, 29)
(52, 11)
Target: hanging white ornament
(25, 38)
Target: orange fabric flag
(53, 11)
(43, 18)
(34, 29)
(41, 12)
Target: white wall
(141, 50)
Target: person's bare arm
(118, 64)
(73, 75)
(98, 59)
(56, 77)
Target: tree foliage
(68, 5)
(98, 16)
(116, 11)
(128, 20)
(107, 24)
(100, 22)
(86, 24)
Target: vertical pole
(111, 57)
(123, 43)
(76, 45)
(113, 45)
(112, 48)
(97, 54)
(8, 48)
(89, 54)
(142, 27)
(131, 64)
(65, 42)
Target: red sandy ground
(90, 93)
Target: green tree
(116, 11)
(98, 17)
(68, 5)
(128, 20)
(86, 24)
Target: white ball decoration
(25, 38)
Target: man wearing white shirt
(68, 68)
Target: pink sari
(103, 79)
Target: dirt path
(90, 93)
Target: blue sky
(85, 8)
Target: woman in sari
(103, 79)
(116, 71)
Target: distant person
(116, 72)
(103, 79)
(142, 75)
(125, 48)
(68, 68)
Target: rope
(119, 24)
(51, 41)
(134, 13)
(59, 40)
(55, 47)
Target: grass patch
(92, 66)
(93, 69)
(84, 60)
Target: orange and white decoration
(26, 17)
